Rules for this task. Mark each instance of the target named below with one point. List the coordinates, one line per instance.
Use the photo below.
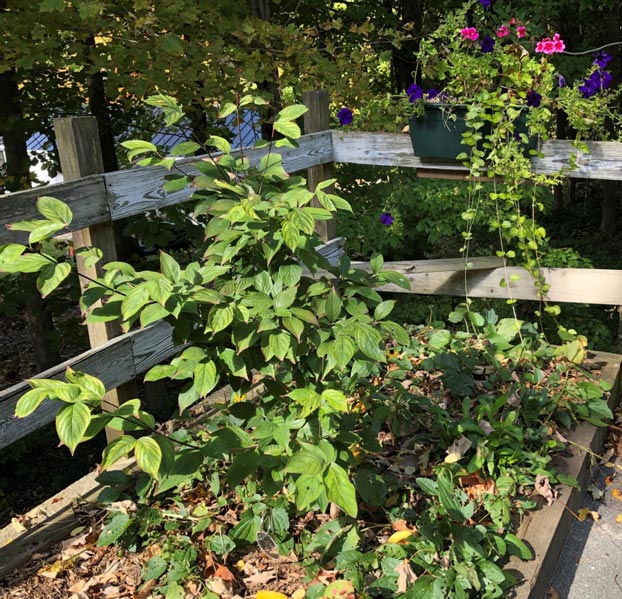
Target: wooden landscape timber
(545, 530)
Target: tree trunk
(402, 65)
(262, 9)
(15, 135)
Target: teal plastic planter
(436, 135)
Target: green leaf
(71, 424)
(134, 300)
(55, 210)
(290, 113)
(44, 231)
(376, 263)
(428, 486)
(148, 456)
(272, 165)
(185, 148)
(242, 466)
(172, 110)
(92, 385)
(294, 326)
(291, 235)
(169, 267)
(341, 351)
(340, 489)
(447, 497)
(427, 587)
(137, 147)
(51, 276)
(288, 129)
(383, 309)
(335, 399)
(280, 343)
(219, 143)
(205, 377)
(518, 547)
(117, 449)
(30, 401)
(308, 488)
(367, 340)
(25, 263)
(333, 306)
(114, 529)
(219, 318)
(439, 339)
(309, 460)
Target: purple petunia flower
(487, 44)
(561, 80)
(345, 116)
(602, 59)
(533, 98)
(596, 82)
(414, 93)
(386, 219)
(485, 4)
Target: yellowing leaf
(400, 536)
(270, 595)
(457, 449)
(619, 519)
(583, 513)
(617, 494)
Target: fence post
(80, 155)
(316, 119)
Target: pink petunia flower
(469, 33)
(551, 46)
(521, 31)
(503, 31)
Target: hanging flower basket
(437, 134)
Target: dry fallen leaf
(224, 573)
(617, 494)
(619, 519)
(299, 593)
(260, 577)
(583, 513)
(552, 593)
(406, 575)
(543, 487)
(457, 449)
(609, 480)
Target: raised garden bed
(544, 530)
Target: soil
(35, 467)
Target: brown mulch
(78, 569)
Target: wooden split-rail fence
(98, 199)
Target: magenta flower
(345, 116)
(502, 31)
(521, 31)
(469, 33)
(386, 218)
(551, 45)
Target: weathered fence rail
(103, 198)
